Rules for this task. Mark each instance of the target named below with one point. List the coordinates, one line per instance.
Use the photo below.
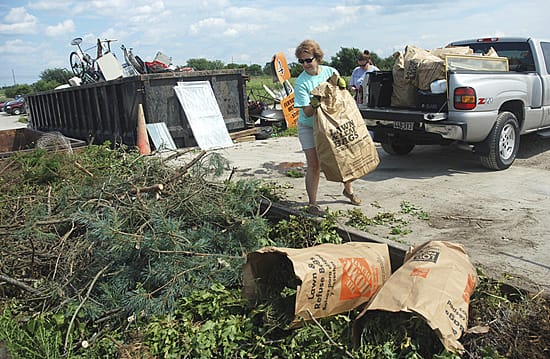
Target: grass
(255, 88)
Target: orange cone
(142, 137)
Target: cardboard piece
(346, 150)
(436, 282)
(332, 278)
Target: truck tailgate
(405, 115)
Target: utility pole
(13, 74)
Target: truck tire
(16, 111)
(503, 142)
(397, 148)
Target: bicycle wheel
(76, 64)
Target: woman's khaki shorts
(305, 135)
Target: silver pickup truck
(483, 110)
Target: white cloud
(61, 28)
(209, 24)
(50, 5)
(18, 21)
(251, 32)
(17, 47)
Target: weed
(294, 173)
(409, 208)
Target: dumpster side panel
(162, 104)
(107, 111)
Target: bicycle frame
(79, 60)
(82, 64)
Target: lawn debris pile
(107, 253)
(133, 231)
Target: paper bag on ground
(329, 278)
(346, 150)
(435, 282)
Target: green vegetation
(98, 261)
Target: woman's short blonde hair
(310, 47)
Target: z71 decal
(484, 101)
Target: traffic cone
(142, 137)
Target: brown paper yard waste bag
(329, 278)
(422, 67)
(436, 282)
(403, 92)
(346, 150)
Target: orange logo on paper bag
(289, 111)
(358, 279)
(420, 272)
(470, 285)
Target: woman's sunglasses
(307, 61)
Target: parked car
(15, 107)
(2, 105)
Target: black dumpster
(108, 110)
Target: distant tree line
(344, 61)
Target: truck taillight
(465, 98)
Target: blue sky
(36, 35)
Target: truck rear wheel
(397, 148)
(503, 142)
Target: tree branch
(19, 284)
(82, 303)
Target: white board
(161, 136)
(109, 66)
(203, 113)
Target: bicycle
(83, 65)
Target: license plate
(405, 126)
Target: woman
(310, 55)
(365, 65)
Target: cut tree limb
(19, 284)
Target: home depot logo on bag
(333, 278)
(358, 278)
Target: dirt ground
(501, 217)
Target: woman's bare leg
(313, 174)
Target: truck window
(546, 53)
(518, 53)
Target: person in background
(310, 55)
(364, 65)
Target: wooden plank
(243, 133)
(245, 139)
